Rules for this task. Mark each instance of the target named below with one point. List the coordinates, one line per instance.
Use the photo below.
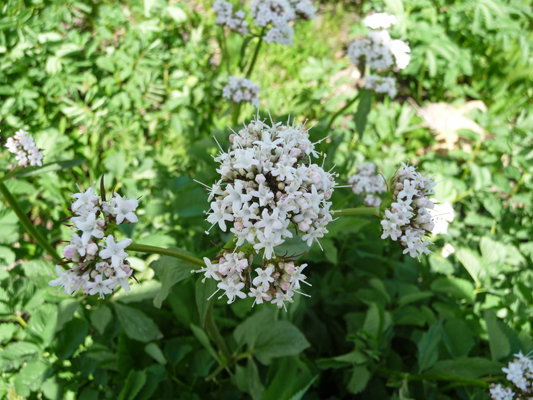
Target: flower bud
(289, 268)
(303, 226)
(250, 175)
(231, 137)
(69, 252)
(260, 178)
(94, 273)
(286, 286)
(92, 249)
(295, 152)
(238, 225)
(327, 195)
(286, 277)
(109, 272)
(281, 186)
(225, 170)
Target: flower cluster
(520, 374)
(275, 281)
(278, 14)
(268, 181)
(381, 84)
(241, 90)
(408, 219)
(369, 183)
(23, 145)
(226, 17)
(97, 268)
(380, 52)
(380, 21)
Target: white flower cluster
(379, 52)
(408, 219)
(381, 84)
(520, 374)
(277, 280)
(226, 16)
(369, 183)
(23, 145)
(97, 268)
(241, 90)
(380, 21)
(278, 14)
(268, 181)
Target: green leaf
(250, 329)
(51, 167)
(134, 383)
(457, 337)
(457, 287)
(374, 321)
(155, 352)
(170, 271)
(71, 337)
(177, 14)
(101, 317)
(428, 351)
(279, 339)
(363, 108)
(204, 290)
(42, 323)
(413, 297)
(359, 379)
(202, 337)
(7, 330)
(500, 345)
(31, 377)
(288, 379)
(17, 353)
(247, 380)
(472, 263)
(136, 324)
(472, 368)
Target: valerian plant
(389, 287)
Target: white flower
(381, 84)
(298, 277)
(99, 286)
(442, 215)
(64, 280)
(264, 277)
(232, 289)
(88, 199)
(498, 392)
(123, 208)
(219, 216)
(115, 251)
(92, 226)
(259, 295)
(380, 21)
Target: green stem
(9, 174)
(224, 46)
(256, 52)
(142, 248)
(420, 82)
(235, 113)
(356, 211)
(339, 113)
(28, 225)
(212, 329)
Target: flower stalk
(142, 248)
(28, 225)
(356, 211)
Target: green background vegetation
(134, 88)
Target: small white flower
(99, 286)
(115, 251)
(232, 289)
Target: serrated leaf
(279, 339)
